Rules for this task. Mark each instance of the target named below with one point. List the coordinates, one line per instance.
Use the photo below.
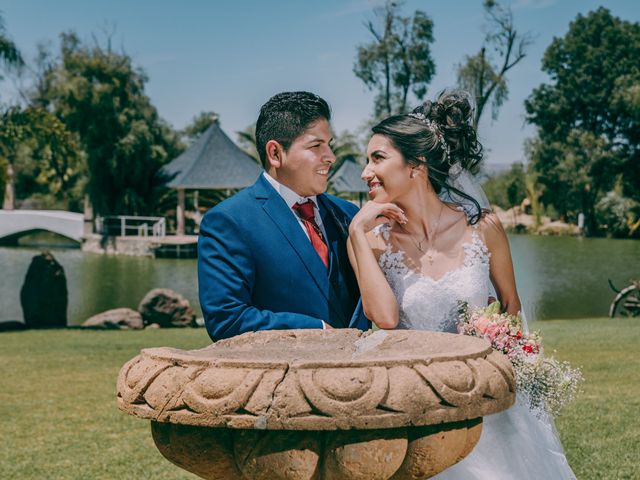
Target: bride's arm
(378, 301)
(501, 265)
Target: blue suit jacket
(257, 270)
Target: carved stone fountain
(319, 404)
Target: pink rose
(491, 331)
(481, 324)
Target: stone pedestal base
(319, 404)
(397, 453)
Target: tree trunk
(10, 190)
(88, 217)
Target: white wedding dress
(515, 444)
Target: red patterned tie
(306, 212)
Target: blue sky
(231, 56)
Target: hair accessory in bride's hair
(433, 126)
(421, 116)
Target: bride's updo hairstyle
(441, 133)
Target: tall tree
(484, 74)
(574, 172)
(199, 125)
(99, 95)
(9, 54)
(588, 115)
(37, 151)
(41, 156)
(506, 189)
(398, 59)
(9, 57)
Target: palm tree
(11, 58)
(534, 193)
(247, 141)
(345, 146)
(9, 53)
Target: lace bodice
(432, 304)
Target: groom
(274, 255)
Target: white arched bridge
(16, 223)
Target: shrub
(618, 215)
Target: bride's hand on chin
(373, 214)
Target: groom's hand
(372, 214)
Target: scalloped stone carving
(319, 404)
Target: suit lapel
(328, 210)
(282, 216)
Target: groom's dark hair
(285, 117)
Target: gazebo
(347, 179)
(213, 162)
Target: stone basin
(319, 404)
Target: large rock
(44, 293)
(116, 319)
(166, 308)
(11, 325)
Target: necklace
(432, 238)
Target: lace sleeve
(379, 239)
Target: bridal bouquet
(545, 382)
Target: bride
(423, 244)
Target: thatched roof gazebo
(347, 179)
(212, 162)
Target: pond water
(558, 277)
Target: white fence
(131, 226)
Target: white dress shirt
(291, 198)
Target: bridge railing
(131, 226)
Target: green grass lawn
(59, 420)
(600, 431)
